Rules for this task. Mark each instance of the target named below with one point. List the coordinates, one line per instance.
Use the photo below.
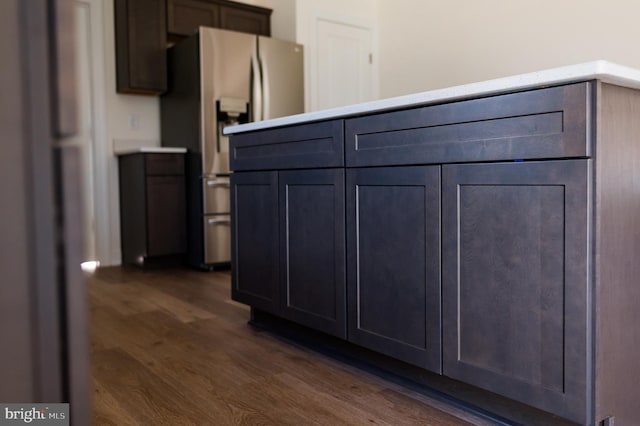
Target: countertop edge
(605, 71)
(151, 150)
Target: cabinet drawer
(546, 123)
(297, 147)
(164, 164)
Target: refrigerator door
(282, 68)
(217, 248)
(225, 69)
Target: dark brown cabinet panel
(166, 215)
(538, 124)
(515, 281)
(254, 21)
(141, 65)
(300, 147)
(185, 16)
(254, 240)
(152, 207)
(393, 246)
(312, 249)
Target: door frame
(99, 180)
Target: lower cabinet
(288, 245)
(489, 240)
(152, 207)
(393, 241)
(508, 239)
(515, 281)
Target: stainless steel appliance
(219, 78)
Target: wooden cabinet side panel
(516, 281)
(618, 244)
(133, 209)
(312, 249)
(254, 240)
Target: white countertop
(605, 71)
(151, 150)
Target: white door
(344, 73)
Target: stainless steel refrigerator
(219, 78)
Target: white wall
(428, 44)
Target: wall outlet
(134, 122)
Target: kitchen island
(479, 239)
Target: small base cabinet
(288, 225)
(152, 208)
(288, 245)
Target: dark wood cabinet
(152, 207)
(254, 240)
(515, 280)
(288, 246)
(141, 57)
(393, 236)
(312, 249)
(185, 16)
(246, 19)
(488, 239)
(143, 28)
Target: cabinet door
(312, 249)
(515, 281)
(246, 20)
(254, 239)
(393, 264)
(166, 215)
(141, 54)
(185, 16)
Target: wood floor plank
(138, 391)
(170, 347)
(106, 410)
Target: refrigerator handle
(256, 87)
(266, 101)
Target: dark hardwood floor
(170, 347)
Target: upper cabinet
(141, 58)
(246, 19)
(185, 16)
(143, 29)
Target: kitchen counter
(151, 150)
(605, 71)
(480, 236)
